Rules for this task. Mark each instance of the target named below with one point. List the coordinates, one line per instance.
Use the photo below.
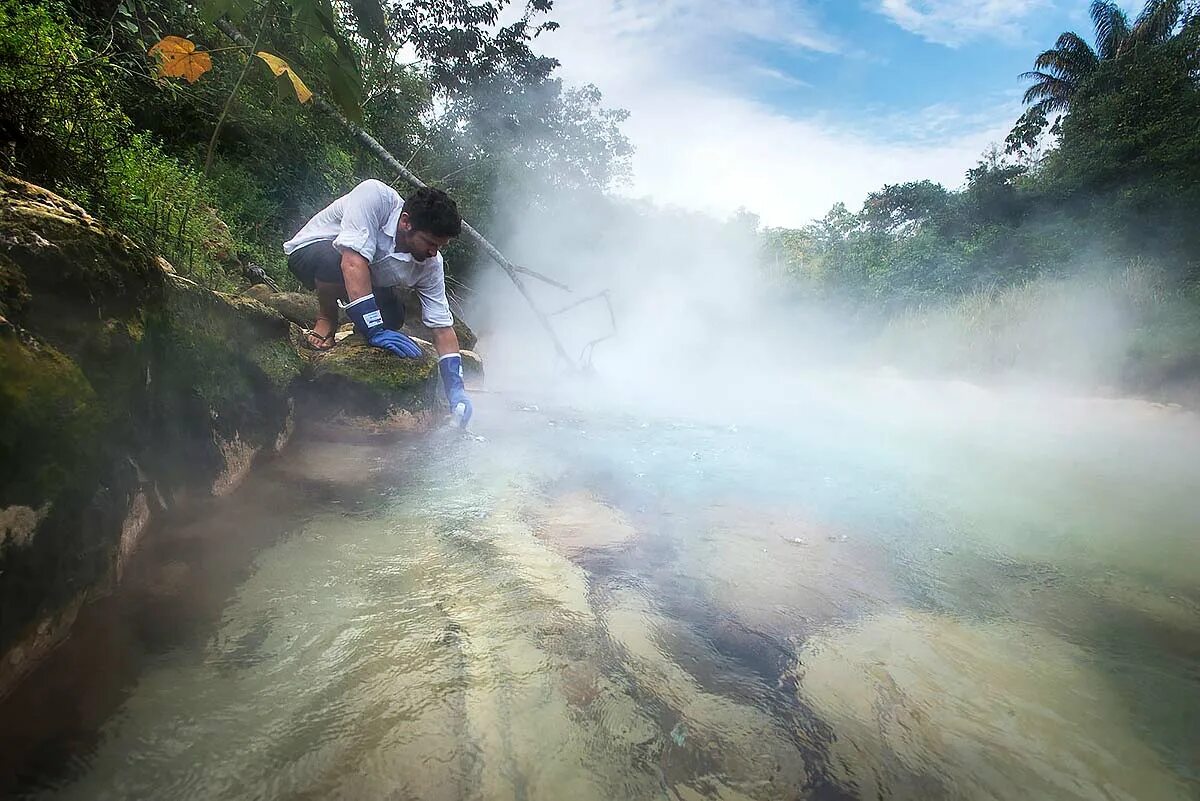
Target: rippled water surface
(605, 607)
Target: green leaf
(316, 13)
(212, 10)
(345, 85)
(304, 13)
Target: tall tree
(1059, 72)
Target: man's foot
(320, 338)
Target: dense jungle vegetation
(85, 112)
(1095, 191)
(1100, 176)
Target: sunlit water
(600, 606)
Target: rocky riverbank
(126, 391)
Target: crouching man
(357, 249)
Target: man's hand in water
(450, 366)
(368, 321)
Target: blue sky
(787, 106)
(882, 67)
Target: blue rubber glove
(450, 366)
(368, 321)
(397, 343)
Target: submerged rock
(924, 705)
(578, 522)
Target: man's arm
(364, 211)
(445, 341)
(356, 272)
(363, 309)
(450, 366)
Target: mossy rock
(357, 380)
(50, 420)
(224, 368)
(14, 293)
(472, 365)
(61, 491)
(298, 307)
(118, 381)
(301, 309)
(60, 265)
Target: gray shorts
(321, 261)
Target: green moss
(374, 367)
(193, 353)
(59, 253)
(50, 422)
(370, 381)
(278, 361)
(14, 294)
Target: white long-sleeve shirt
(365, 221)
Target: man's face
(421, 244)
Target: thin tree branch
(212, 143)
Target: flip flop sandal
(321, 348)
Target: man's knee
(316, 263)
(331, 292)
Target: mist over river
(989, 599)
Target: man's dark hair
(433, 211)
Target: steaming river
(603, 606)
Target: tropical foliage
(149, 114)
(1102, 172)
(1061, 71)
(1118, 179)
(101, 99)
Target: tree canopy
(455, 89)
(1103, 167)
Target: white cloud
(695, 26)
(955, 22)
(777, 75)
(702, 145)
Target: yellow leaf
(281, 67)
(179, 58)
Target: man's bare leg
(328, 296)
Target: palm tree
(1058, 73)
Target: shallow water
(603, 606)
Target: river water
(602, 605)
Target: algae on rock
(125, 390)
(355, 380)
(118, 381)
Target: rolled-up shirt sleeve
(364, 212)
(431, 289)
